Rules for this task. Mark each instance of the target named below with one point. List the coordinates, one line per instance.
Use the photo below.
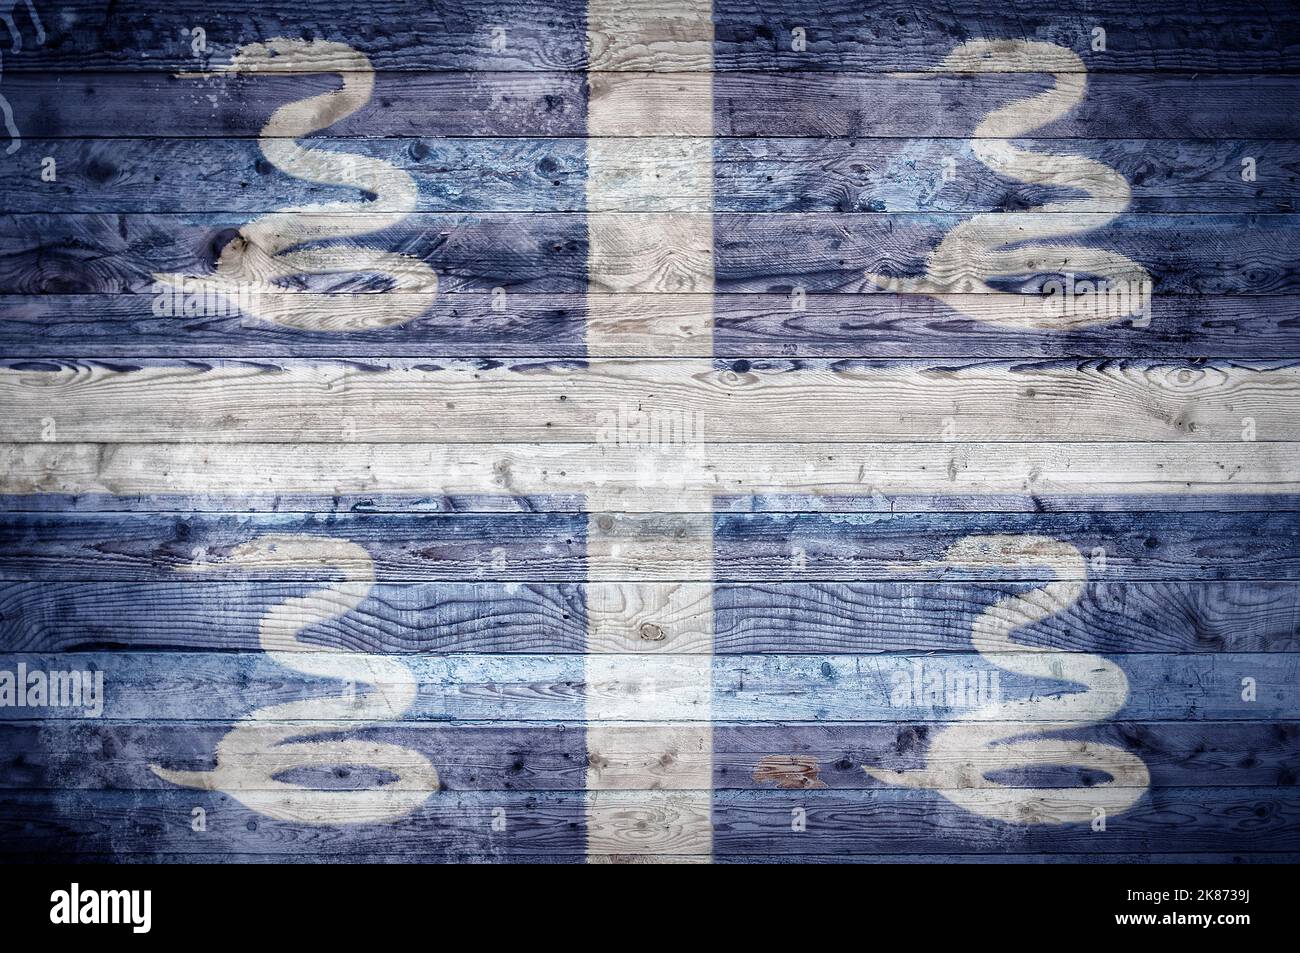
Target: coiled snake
(268, 252)
(961, 755)
(999, 244)
(267, 744)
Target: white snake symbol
(962, 754)
(998, 244)
(269, 250)
(268, 743)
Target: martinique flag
(753, 432)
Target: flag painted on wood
(590, 431)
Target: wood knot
(652, 633)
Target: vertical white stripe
(649, 662)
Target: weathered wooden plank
(915, 325)
(451, 826)
(895, 35)
(1177, 754)
(881, 325)
(876, 687)
(869, 821)
(403, 618)
(1164, 106)
(1146, 858)
(496, 477)
(1189, 254)
(945, 175)
(455, 824)
(222, 616)
(104, 755)
(415, 857)
(1183, 254)
(114, 105)
(224, 686)
(1137, 105)
(555, 401)
(855, 546)
(1109, 618)
(519, 546)
(232, 175)
(749, 546)
(113, 253)
(394, 34)
(899, 34)
(753, 175)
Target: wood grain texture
(1215, 36)
(553, 401)
(752, 175)
(755, 618)
(1185, 254)
(748, 326)
(218, 686)
(109, 105)
(635, 649)
(495, 477)
(1139, 105)
(115, 756)
(456, 825)
(747, 546)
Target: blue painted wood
(453, 825)
(111, 253)
(839, 618)
(1191, 254)
(224, 686)
(513, 546)
(233, 175)
(751, 175)
(759, 546)
(888, 325)
(830, 688)
(1259, 327)
(457, 825)
(1213, 35)
(113, 105)
(804, 757)
(1164, 106)
(901, 34)
(500, 756)
(905, 175)
(225, 616)
(892, 821)
(861, 546)
(746, 104)
(108, 755)
(1110, 617)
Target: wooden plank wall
(674, 458)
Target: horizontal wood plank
(848, 253)
(556, 401)
(1137, 105)
(403, 35)
(533, 618)
(104, 755)
(496, 477)
(849, 547)
(458, 824)
(224, 686)
(751, 175)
